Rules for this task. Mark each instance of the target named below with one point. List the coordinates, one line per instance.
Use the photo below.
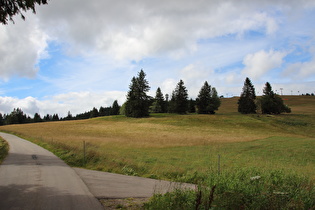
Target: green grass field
(185, 147)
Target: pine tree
(159, 104)
(37, 118)
(215, 101)
(246, 103)
(93, 113)
(179, 100)
(271, 103)
(191, 106)
(208, 100)
(137, 104)
(115, 108)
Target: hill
(173, 146)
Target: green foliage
(10, 8)
(191, 106)
(208, 100)
(246, 103)
(4, 149)
(271, 103)
(242, 189)
(115, 108)
(17, 116)
(159, 104)
(37, 118)
(94, 113)
(137, 104)
(179, 100)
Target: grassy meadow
(185, 147)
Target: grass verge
(242, 189)
(4, 149)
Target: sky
(75, 55)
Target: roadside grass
(4, 149)
(243, 189)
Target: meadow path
(34, 178)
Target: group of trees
(269, 103)
(17, 116)
(139, 104)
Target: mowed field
(183, 147)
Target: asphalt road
(34, 178)
(113, 186)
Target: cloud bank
(74, 47)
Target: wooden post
(83, 153)
(219, 167)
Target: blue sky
(75, 55)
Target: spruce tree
(159, 104)
(137, 104)
(191, 106)
(271, 103)
(115, 108)
(215, 101)
(179, 100)
(208, 100)
(246, 103)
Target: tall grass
(4, 148)
(242, 189)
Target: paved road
(33, 178)
(109, 185)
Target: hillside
(171, 146)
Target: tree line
(139, 104)
(17, 116)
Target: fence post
(219, 167)
(84, 153)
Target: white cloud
(75, 102)
(22, 45)
(133, 30)
(260, 63)
(300, 70)
(146, 28)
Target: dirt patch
(125, 203)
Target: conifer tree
(246, 103)
(191, 106)
(137, 104)
(215, 101)
(115, 108)
(271, 103)
(179, 100)
(208, 100)
(159, 104)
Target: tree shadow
(37, 197)
(32, 159)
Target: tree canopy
(179, 100)
(271, 103)
(208, 100)
(137, 104)
(159, 104)
(10, 8)
(246, 103)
